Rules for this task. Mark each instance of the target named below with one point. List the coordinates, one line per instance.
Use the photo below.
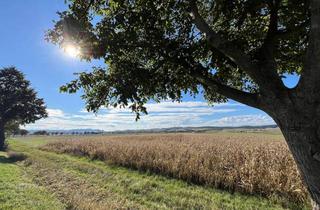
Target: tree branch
(310, 77)
(267, 62)
(249, 99)
(261, 76)
(223, 45)
(273, 23)
(200, 73)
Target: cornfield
(238, 162)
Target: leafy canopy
(19, 103)
(155, 50)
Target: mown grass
(252, 163)
(18, 192)
(81, 183)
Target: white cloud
(165, 114)
(241, 120)
(174, 107)
(55, 113)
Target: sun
(72, 51)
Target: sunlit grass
(19, 192)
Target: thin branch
(86, 10)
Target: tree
(240, 50)
(18, 101)
(11, 128)
(41, 133)
(23, 132)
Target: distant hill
(157, 130)
(193, 129)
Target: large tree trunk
(2, 137)
(303, 138)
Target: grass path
(19, 192)
(80, 183)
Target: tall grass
(251, 163)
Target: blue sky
(22, 45)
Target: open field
(73, 182)
(242, 162)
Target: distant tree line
(14, 130)
(60, 133)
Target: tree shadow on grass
(4, 159)
(12, 157)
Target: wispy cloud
(240, 120)
(176, 107)
(161, 115)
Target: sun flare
(72, 51)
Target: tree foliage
(11, 128)
(155, 49)
(19, 103)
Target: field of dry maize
(253, 163)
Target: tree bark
(2, 138)
(303, 139)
